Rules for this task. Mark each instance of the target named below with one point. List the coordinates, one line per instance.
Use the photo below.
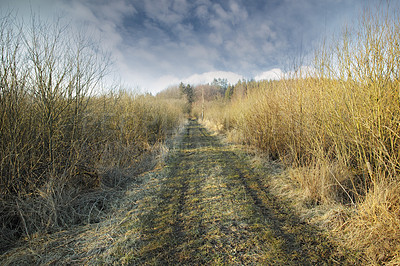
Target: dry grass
(96, 243)
(62, 148)
(338, 129)
(82, 244)
(209, 207)
(376, 226)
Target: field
(300, 170)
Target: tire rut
(211, 208)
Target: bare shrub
(337, 127)
(58, 143)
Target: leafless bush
(339, 128)
(57, 141)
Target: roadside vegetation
(337, 129)
(66, 148)
(328, 140)
(210, 208)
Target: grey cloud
(201, 12)
(166, 11)
(178, 38)
(101, 11)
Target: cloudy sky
(157, 43)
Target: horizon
(157, 44)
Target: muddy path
(211, 208)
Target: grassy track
(206, 206)
(211, 208)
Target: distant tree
(221, 84)
(240, 89)
(188, 91)
(229, 92)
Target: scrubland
(65, 147)
(66, 150)
(336, 129)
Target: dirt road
(204, 206)
(211, 208)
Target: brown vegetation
(338, 129)
(63, 148)
(208, 207)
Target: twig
(23, 219)
(345, 191)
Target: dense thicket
(58, 137)
(339, 128)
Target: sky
(158, 43)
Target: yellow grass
(339, 129)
